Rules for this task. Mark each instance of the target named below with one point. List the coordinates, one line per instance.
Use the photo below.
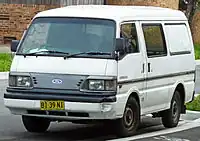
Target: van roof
(115, 12)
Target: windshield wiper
(88, 53)
(46, 51)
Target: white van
(104, 63)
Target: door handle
(149, 67)
(143, 68)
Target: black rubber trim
(131, 81)
(157, 77)
(180, 53)
(175, 23)
(59, 92)
(69, 98)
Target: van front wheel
(171, 117)
(128, 124)
(35, 124)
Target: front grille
(76, 114)
(52, 113)
(34, 112)
(57, 81)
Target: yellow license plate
(52, 105)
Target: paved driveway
(4, 48)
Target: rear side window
(154, 39)
(178, 39)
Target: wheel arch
(135, 94)
(181, 89)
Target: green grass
(194, 105)
(5, 62)
(197, 51)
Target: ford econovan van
(104, 63)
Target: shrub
(195, 105)
(197, 51)
(5, 62)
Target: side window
(181, 44)
(154, 39)
(128, 31)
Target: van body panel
(125, 14)
(44, 64)
(132, 79)
(162, 76)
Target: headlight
(20, 81)
(23, 81)
(96, 85)
(100, 85)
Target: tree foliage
(189, 7)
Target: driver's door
(131, 66)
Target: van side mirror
(120, 45)
(14, 45)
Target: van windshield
(69, 35)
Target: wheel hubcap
(128, 117)
(175, 111)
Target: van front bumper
(84, 109)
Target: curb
(197, 62)
(191, 115)
(196, 95)
(4, 75)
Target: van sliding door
(157, 66)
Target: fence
(81, 2)
(53, 2)
(36, 2)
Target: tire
(171, 117)
(35, 124)
(128, 124)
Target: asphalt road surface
(11, 128)
(187, 135)
(4, 48)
